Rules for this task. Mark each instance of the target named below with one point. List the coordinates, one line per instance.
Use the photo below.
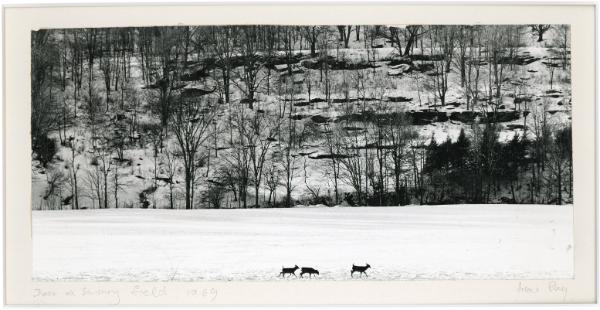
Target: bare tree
(272, 179)
(167, 58)
(74, 168)
(417, 157)
(76, 57)
(345, 32)
(413, 33)
(118, 186)
(442, 41)
(378, 140)
(239, 158)
(353, 163)
(171, 169)
(155, 133)
(91, 35)
(333, 144)
(250, 77)
(103, 163)
(44, 57)
(399, 136)
(93, 178)
(106, 61)
(314, 190)
(311, 34)
(463, 34)
(473, 67)
(262, 132)
(394, 37)
(222, 44)
(191, 120)
(55, 180)
(539, 149)
(289, 161)
(563, 37)
(539, 30)
(551, 66)
(497, 36)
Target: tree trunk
(288, 197)
(107, 92)
(75, 187)
(76, 196)
(105, 191)
(342, 34)
(347, 36)
(512, 190)
(397, 177)
(116, 187)
(171, 193)
(244, 192)
(226, 85)
(256, 187)
(188, 181)
(251, 99)
(463, 73)
(409, 44)
(559, 179)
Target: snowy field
(400, 243)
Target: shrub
(215, 194)
(45, 148)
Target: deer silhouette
(291, 271)
(360, 270)
(308, 270)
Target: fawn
(308, 270)
(291, 271)
(360, 269)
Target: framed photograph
(282, 154)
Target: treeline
(395, 166)
(200, 113)
(483, 170)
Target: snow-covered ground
(400, 243)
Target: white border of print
(19, 289)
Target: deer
(308, 270)
(360, 269)
(291, 271)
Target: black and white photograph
(302, 153)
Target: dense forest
(279, 116)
